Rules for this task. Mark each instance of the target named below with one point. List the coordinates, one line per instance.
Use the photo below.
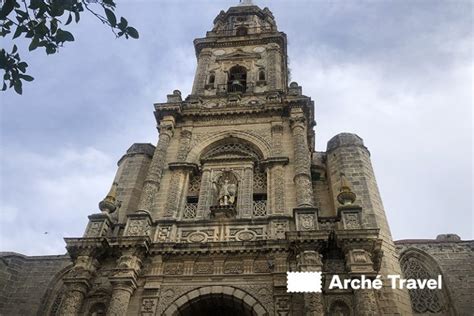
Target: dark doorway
(215, 305)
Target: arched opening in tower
(237, 79)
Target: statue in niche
(226, 189)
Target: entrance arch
(216, 301)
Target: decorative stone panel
(99, 225)
(306, 219)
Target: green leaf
(20, 29)
(36, 4)
(110, 17)
(7, 7)
(64, 36)
(14, 49)
(132, 32)
(4, 86)
(77, 16)
(18, 86)
(22, 66)
(34, 44)
(69, 19)
(123, 24)
(26, 77)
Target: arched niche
(258, 145)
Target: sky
(397, 73)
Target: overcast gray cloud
(397, 73)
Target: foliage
(43, 23)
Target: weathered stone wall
(454, 260)
(25, 281)
(132, 171)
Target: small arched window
(237, 79)
(98, 309)
(241, 31)
(212, 78)
(261, 75)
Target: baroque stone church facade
(232, 197)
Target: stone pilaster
(272, 52)
(204, 194)
(184, 144)
(181, 173)
(201, 72)
(245, 197)
(302, 179)
(274, 167)
(153, 179)
(175, 193)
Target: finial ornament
(345, 196)
(109, 203)
(246, 2)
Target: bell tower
(234, 196)
(258, 64)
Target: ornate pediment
(239, 55)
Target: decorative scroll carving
(148, 307)
(203, 268)
(235, 267)
(351, 219)
(138, 227)
(279, 228)
(163, 233)
(262, 266)
(283, 305)
(313, 304)
(306, 219)
(152, 182)
(184, 145)
(174, 193)
(173, 268)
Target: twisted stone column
(302, 179)
(72, 302)
(153, 179)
